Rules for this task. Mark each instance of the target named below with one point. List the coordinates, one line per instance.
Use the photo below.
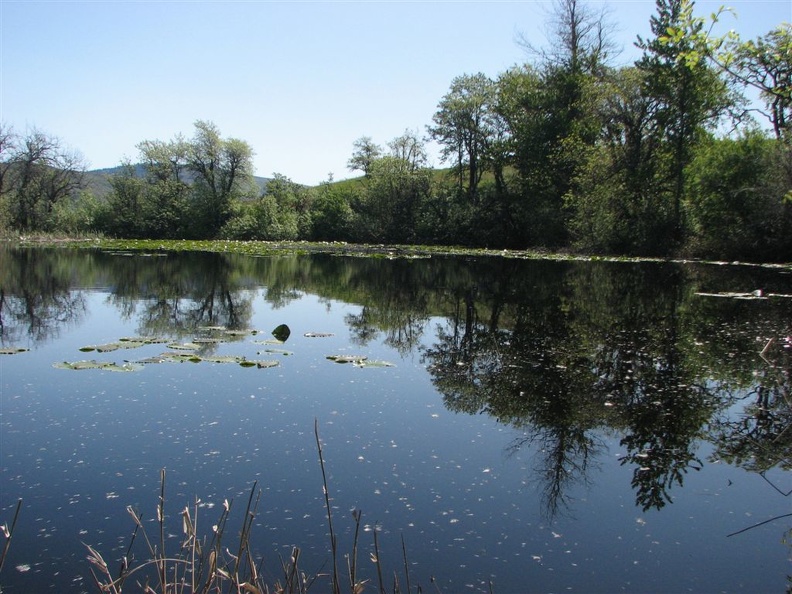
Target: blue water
(78, 447)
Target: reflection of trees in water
(596, 347)
(36, 299)
(396, 303)
(564, 455)
(402, 327)
(177, 294)
(561, 351)
(760, 439)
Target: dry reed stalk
(8, 533)
(406, 565)
(376, 559)
(355, 587)
(163, 577)
(333, 542)
(213, 569)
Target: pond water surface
(526, 425)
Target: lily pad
(12, 350)
(125, 367)
(236, 332)
(259, 364)
(282, 332)
(151, 360)
(283, 352)
(268, 341)
(267, 364)
(373, 363)
(113, 346)
(107, 366)
(184, 346)
(180, 357)
(144, 340)
(78, 365)
(347, 358)
(223, 359)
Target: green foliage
(36, 173)
(188, 188)
(332, 216)
(735, 204)
(618, 205)
(78, 215)
(366, 151)
(564, 152)
(389, 205)
(766, 64)
(687, 96)
(223, 173)
(283, 212)
(465, 125)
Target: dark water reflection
(620, 420)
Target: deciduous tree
(464, 125)
(38, 171)
(364, 153)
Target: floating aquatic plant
(283, 352)
(268, 341)
(359, 361)
(122, 343)
(266, 364)
(372, 363)
(347, 358)
(93, 364)
(13, 350)
(184, 346)
(144, 340)
(223, 359)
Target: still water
(527, 426)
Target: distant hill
(98, 180)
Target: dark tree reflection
(36, 295)
(563, 352)
(178, 293)
(760, 439)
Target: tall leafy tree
(464, 125)
(411, 148)
(364, 153)
(560, 119)
(617, 207)
(165, 197)
(688, 94)
(223, 172)
(766, 64)
(391, 201)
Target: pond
(520, 425)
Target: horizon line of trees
(660, 157)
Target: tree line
(663, 156)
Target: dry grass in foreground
(206, 565)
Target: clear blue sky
(299, 81)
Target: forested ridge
(665, 156)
